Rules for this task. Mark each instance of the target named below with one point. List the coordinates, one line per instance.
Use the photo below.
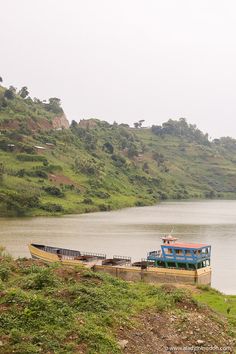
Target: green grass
(57, 309)
(224, 304)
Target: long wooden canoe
(65, 256)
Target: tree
(139, 123)
(108, 147)
(1, 79)
(9, 94)
(74, 124)
(24, 92)
(54, 105)
(55, 100)
(37, 100)
(12, 88)
(132, 151)
(159, 158)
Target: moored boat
(66, 256)
(174, 262)
(180, 255)
(187, 263)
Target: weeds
(57, 309)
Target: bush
(4, 143)
(4, 273)
(104, 207)
(28, 157)
(53, 208)
(88, 201)
(108, 147)
(102, 195)
(26, 148)
(43, 278)
(38, 173)
(140, 203)
(19, 203)
(52, 190)
(118, 160)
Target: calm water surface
(135, 231)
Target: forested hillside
(49, 167)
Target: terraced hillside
(49, 167)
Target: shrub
(4, 273)
(104, 207)
(38, 173)
(19, 203)
(55, 191)
(102, 195)
(118, 160)
(28, 157)
(43, 278)
(88, 201)
(51, 207)
(140, 203)
(9, 94)
(108, 147)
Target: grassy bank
(54, 309)
(224, 304)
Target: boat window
(167, 250)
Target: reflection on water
(135, 231)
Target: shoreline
(95, 209)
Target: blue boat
(180, 255)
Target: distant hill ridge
(20, 112)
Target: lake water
(135, 231)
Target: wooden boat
(65, 256)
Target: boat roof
(187, 245)
(169, 237)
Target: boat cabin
(180, 255)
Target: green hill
(49, 167)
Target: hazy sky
(126, 60)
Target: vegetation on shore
(46, 168)
(55, 309)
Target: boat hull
(159, 275)
(48, 257)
